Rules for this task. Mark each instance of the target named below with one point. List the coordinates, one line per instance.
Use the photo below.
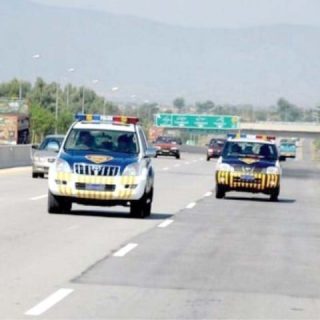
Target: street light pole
(83, 99)
(35, 56)
(56, 109)
(68, 87)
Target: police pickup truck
(104, 161)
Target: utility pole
(56, 109)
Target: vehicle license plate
(247, 178)
(95, 187)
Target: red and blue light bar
(118, 119)
(250, 136)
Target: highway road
(196, 257)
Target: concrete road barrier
(193, 149)
(15, 156)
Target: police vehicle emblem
(98, 159)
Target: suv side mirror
(282, 158)
(150, 153)
(35, 146)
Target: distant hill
(160, 62)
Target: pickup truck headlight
(62, 166)
(133, 169)
(273, 170)
(225, 167)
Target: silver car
(45, 154)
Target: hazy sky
(209, 13)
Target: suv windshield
(172, 140)
(102, 141)
(217, 143)
(238, 149)
(45, 145)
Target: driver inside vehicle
(85, 140)
(126, 144)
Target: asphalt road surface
(196, 257)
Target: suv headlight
(62, 166)
(224, 167)
(133, 169)
(273, 170)
(174, 148)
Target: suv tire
(220, 192)
(142, 208)
(58, 204)
(275, 194)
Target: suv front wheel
(275, 194)
(58, 204)
(220, 192)
(142, 208)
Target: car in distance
(168, 146)
(103, 161)
(45, 154)
(288, 148)
(215, 147)
(249, 164)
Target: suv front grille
(245, 169)
(96, 170)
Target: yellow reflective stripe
(277, 180)
(260, 183)
(263, 183)
(219, 176)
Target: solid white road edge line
(39, 197)
(49, 302)
(190, 205)
(165, 223)
(123, 251)
(208, 194)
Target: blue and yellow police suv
(104, 161)
(249, 164)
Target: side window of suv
(143, 140)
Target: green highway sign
(197, 121)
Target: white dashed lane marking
(49, 302)
(165, 169)
(39, 197)
(72, 228)
(208, 194)
(190, 205)
(165, 223)
(123, 251)
(177, 165)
